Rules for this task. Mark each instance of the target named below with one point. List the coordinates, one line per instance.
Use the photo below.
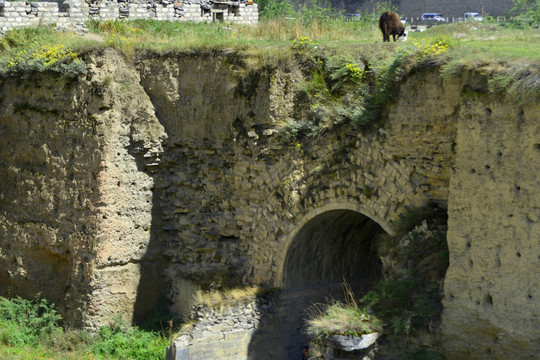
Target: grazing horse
(390, 24)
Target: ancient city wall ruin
(135, 185)
(73, 13)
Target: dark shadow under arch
(334, 246)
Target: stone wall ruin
(171, 178)
(73, 13)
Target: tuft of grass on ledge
(345, 317)
(217, 298)
(339, 318)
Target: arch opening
(334, 246)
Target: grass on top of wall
(351, 74)
(471, 43)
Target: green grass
(471, 43)
(31, 330)
(481, 39)
(334, 95)
(479, 42)
(510, 56)
(164, 36)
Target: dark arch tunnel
(334, 246)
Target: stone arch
(351, 223)
(327, 243)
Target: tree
(527, 11)
(275, 9)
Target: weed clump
(120, 341)
(408, 57)
(26, 322)
(346, 317)
(45, 57)
(343, 90)
(27, 50)
(32, 329)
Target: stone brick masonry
(73, 13)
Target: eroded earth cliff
(139, 184)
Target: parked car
(403, 21)
(433, 17)
(474, 16)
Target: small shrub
(31, 327)
(345, 317)
(44, 57)
(68, 341)
(342, 319)
(25, 322)
(304, 43)
(345, 75)
(527, 13)
(120, 341)
(275, 9)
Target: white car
(433, 17)
(474, 16)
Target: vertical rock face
(136, 183)
(51, 157)
(132, 139)
(491, 189)
(492, 284)
(75, 192)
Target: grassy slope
(471, 42)
(503, 52)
